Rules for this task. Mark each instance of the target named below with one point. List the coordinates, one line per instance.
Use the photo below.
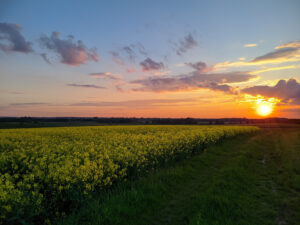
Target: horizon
(99, 117)
(138, 59)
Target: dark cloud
(137, 103)
(28, 103)
(187, 43)
(45, 58)
(86, 86)
(282, 52)
(71, 53)
(200, 66)
(192, 81)
(286, 91)
(107, 75)
(149, 65)
(11, 33)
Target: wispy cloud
(286, 91)
(281, 53)
(137, 103)
(106, 75)
(273, 69)
(193, 81)
(200, 66)
(131, 70)
(117, 58)
(11, 33)
(28, 103)
(12, 92)
(250, 45)
(187, 43)
(289, 52)
(128, 52)
(71, 53)
(150, 65)
(133, 50)
(86, 86)
(45, 58)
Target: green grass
(245, 180)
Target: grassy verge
(247, 180)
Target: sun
(264, 109)
(262, 105)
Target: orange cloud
(250, 45)
(289, 52)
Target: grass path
(246, 180)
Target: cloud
(273, 69)
(133, 50)
(193, 81)
(11, 33)
(162, 73)
(281, 53)
(186, 44)
(137, 103)
(71, 53)
(289, 52)
(286, 91)
(12, 92)
(150, 65)
(200, 66)
(85, 86)
(107, 75)
(250, 45)
(28, 103)
(117, 58)
(45, 58)
(141, 49)
(130, 52)
(130, 70)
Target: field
(247, 180)
(46, 172)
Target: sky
(202, 59)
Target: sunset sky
(204, 59)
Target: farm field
(47, 173)
(251, 179)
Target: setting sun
(264, 109)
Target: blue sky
(151, 29)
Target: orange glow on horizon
(263, 106)
(264, 109)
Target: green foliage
(44, 171)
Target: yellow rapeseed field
(45, 169)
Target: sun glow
(264, 109)
(263, 106)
